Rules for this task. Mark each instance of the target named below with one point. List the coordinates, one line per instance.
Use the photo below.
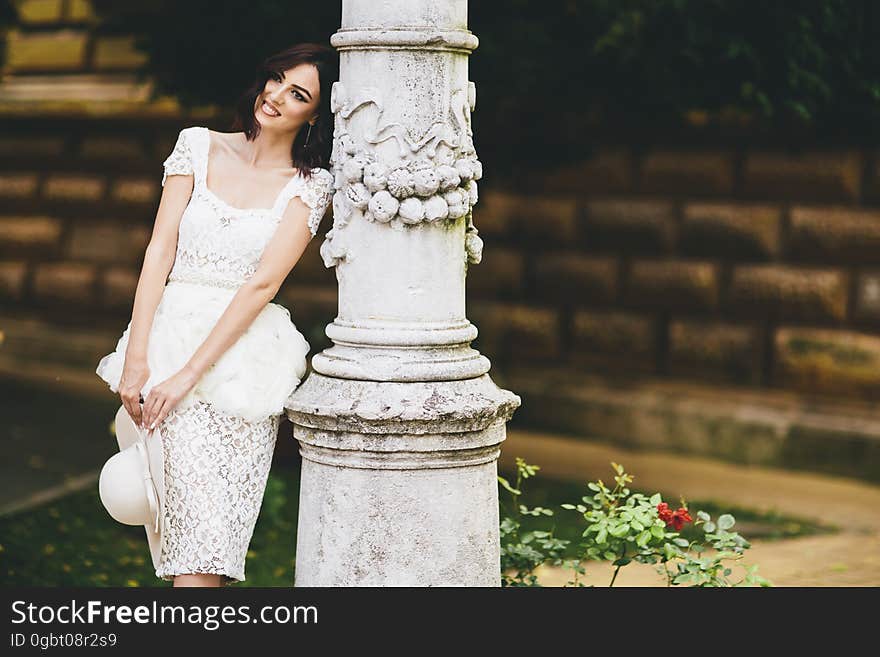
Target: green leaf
(726, 521)
(507, 485)
(601, 536)
(702, 515)
(658, 531)
(619, 530)
(567, 506)
(708, 527)
(635, 524)
(656, 499)
(609, 555)
(643, 538)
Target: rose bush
(623, 526)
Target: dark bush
(551, 75)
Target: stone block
(32, 146)
(673, 285)
(782, 292)
(499, 274)
(119, 287)
(109, 147)
(511, 332)
(608, 171)
(117, 53)
(135, 190)
(828, 361)
(717, 351)
(29, 233)
(614, 341)
(532, 334)
(108, 243)
(80, 10)
(691, 173)
(495, 213)
(545, 220)
(731, 230)
(18, 185)
(629, 226)
(834, 234)
(58, 50)
(34, 12)
(12, 277)
(71, 282)
(576, 279)
(811, 175)
(64, 187)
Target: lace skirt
(216, 468)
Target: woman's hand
(135, 373)
(165, 396)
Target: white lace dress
(219, 440)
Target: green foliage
(546, 70)
(205, 51)
(73, 542)
(523, 551)
(621, 527)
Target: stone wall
(753, 268)
(732, 261)
(734, 265)
(77, 205)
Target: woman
(207, 360)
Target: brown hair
(317, 152)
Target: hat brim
(127, 433)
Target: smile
(268, 110)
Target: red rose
(679, 518)
(664, 512)
(675, 519)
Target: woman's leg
(198, 579)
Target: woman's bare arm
(279, 257)
(158, 260)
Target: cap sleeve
(180, 160)
(317, 193)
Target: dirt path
(849, 558)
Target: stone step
(748, 426)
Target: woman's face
(289, 99)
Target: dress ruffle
(252, 379)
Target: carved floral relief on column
(424, 183)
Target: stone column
(399, 424)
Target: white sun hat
(132, 482)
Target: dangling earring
(308, 134)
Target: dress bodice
(219, 244)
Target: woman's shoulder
(321, 176)
(193, 131)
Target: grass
(74, 542)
